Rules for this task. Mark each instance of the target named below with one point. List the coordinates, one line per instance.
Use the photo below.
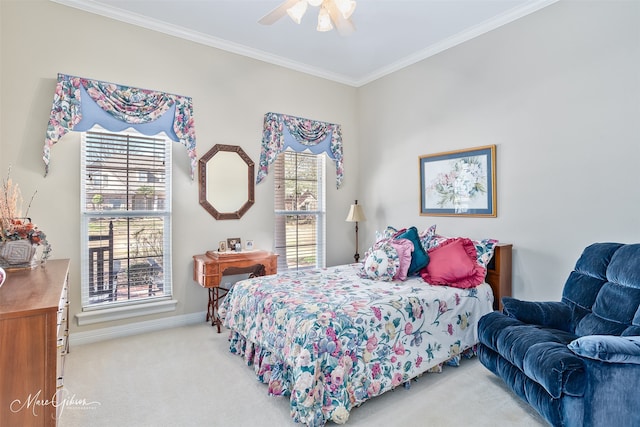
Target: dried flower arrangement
(14, 224)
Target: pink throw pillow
(454, 263)
(404, 247)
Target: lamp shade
(356, 214)
(324, 21)
(296, 12)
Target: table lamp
(356, 215)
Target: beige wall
(558, 92)
(230, 93)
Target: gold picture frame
(459, 183)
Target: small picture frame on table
(232, 243)
(248, 245)
(222, 246)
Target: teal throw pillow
(419, 258)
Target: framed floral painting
(459, 183)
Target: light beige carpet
(186, 377)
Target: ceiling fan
(332, 13)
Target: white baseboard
(125, 311)
(79, 338)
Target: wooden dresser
(209, 268)
(34, 327)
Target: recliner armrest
(608, 348)
(555, 315)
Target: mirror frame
(202, 179)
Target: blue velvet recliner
(576, 362)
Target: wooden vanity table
(209, 268)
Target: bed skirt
(320, 404)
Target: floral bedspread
(330, 339)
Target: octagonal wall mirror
(226, 179)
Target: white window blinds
(299, 202)
(126, 218)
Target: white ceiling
(390, 34)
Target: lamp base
(356, 257)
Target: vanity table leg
(215, 295)
(210, 306)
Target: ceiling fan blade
(277, 13)
(344, 26)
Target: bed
(330, 339)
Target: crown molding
(201, 38)
(478, 30)
(357, 81)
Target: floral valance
(79, 104)
(281, 132)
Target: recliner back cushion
(580, 294)
(584, 283)
(618, 300)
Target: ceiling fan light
(296, 12)
(315, 3)
(346, 7)
(324, 21)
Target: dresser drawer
(62, 315)
(61, 353)
(210, 269)
(62, 342)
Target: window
(126, 219)
(299, 199)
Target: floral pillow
(426, 236)
(454, 263)
(387, 233)
(485, 249)
(382, 237)
(435, 241)
(382, 263)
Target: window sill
(125, 312)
